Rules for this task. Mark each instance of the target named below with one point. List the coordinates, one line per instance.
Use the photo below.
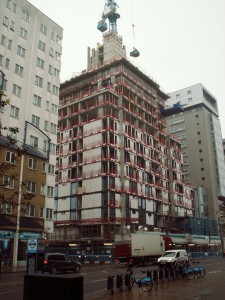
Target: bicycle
(144, 282)
(199, 271)
(184, 271)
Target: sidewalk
(211, 287)
(9, 269)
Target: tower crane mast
(109, 13)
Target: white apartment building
(197, 125)
(30, 58)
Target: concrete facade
(30, 58)
(198, 127)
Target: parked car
(173, 257)
(55, 262)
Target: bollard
(155, 276)
(119, 281)
(166, 273)
(127, 280)
(110, 284)
(172, 274)
(161, 274)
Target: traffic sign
(32, 245)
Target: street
(95, 284)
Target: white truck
(140, 248)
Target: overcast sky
(181, 42)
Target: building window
(50, 191)
(203, 178)
(32, 163)
(42, 190)
(41, 212)
(45, 145)
(10, 157)
(177, 129)
(14, 112)
(17, 90)
(51, 169)
(52, 148)
(56, 72)
(9, 4)
(6, 208)
(43, 29)
(48, 86)
(200, 150)
(53, 128)
(178, 96)
(43, 167)
(19, 70)
(47, 105)
(7, 61)
(55, 90)
(59, 40)
(8, 182)
(25, 16)
(10, 44)
(46, 126)
(3, 40)
(30, 211)
(12, 26)
(51, 52)
(50, 68)
(14, 7)
(54, 109)
(41, 46)
(6, 21)
(40, 63)
(37, 100)
(1, 60)
(57, 56)
(38, 80)
(23, 33)
(202, 169)
(21, 51)
(196, 116)
(199, 142)
(189, 92)
(49, 213)
(35, 120)
(33, 141)
(53, 36)
(31, 187)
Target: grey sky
(182, 42)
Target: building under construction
(117, 168)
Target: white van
(173, 257)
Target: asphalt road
(212, 286)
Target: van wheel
(53, 270)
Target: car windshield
(169, 254)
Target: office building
(192, 116)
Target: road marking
(8, 292)
(99, 291)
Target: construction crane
(110, 14)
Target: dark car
(55, 262)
